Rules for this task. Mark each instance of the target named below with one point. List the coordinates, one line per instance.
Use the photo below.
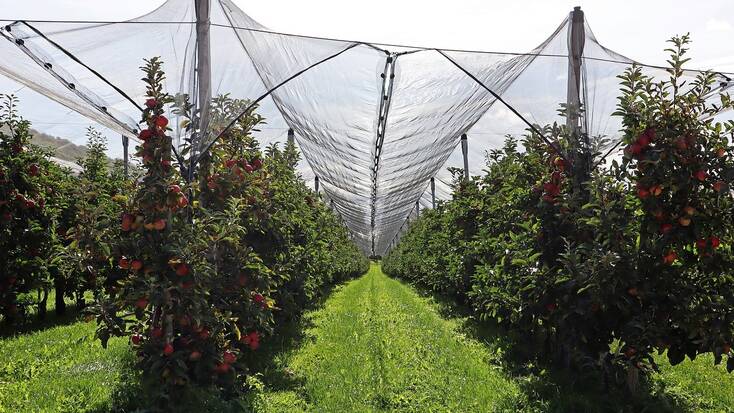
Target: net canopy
(375, 123)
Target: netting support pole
(125, 155)
(465, 153)
(576, 38)
(203, 72)
(579, 146)
(417, 209)
(291, 137)
(316, 184)
(433, 193)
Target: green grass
(696, 385)
(62, 369)
(378, 346)
(374, 345)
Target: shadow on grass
(546, 386)
(34, 323)
(268, 363)
(290, 335)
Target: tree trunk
(42, 304)
(80, 303)
(10, 312)
(633, 379)
(60, 286)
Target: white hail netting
(373, 122)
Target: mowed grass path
(377, 346)
(374, 345)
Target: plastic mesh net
(374, 122)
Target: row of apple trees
(197, 275)
(43, 208)
(599, 273)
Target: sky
(636, 29)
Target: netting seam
(49, 68)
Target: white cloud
(717, 25)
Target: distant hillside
(66, 153)
(62, 148)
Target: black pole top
(578, 15)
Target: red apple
(127, 222)
(560, 163)
(145, 134)
(701, 175)
(229, 357)
(151, 103)
(136, 339)
(253, 340)
(161, 121)
(715, 242)
(666, 228)
(34, 169)
(670, 257)
(551, 189)
(175, 189)
(182, 270)
(633, 292)
(156, 332)
(684, 221)
(222, 368)
(258, 298)
(168, 349)
(257, 163)
(141, 303)
(718, 186)
(642, 193)
(195, 355)
(160, 225)
(721, 152)
(124, 263)
(136, 265)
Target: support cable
(49, 68)
(366, 43)
(263, 96)
(76, 59)
(512, 109)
